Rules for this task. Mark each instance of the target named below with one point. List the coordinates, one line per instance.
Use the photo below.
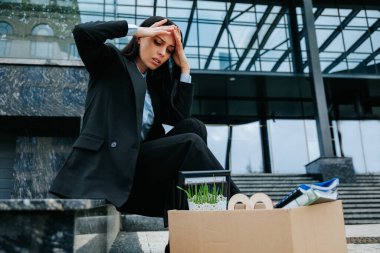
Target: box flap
(319, 228)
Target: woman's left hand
(179, 55)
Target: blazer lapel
(139, 87)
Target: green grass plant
(203, 194)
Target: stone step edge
(363, 240)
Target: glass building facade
(250, 67)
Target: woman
(123, 154)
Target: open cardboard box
(311, 229)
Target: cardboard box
(310, 229)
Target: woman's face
(155, 51)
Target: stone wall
(39, 92)
(42, 90)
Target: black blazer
(103, 158)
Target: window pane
(351, 143)
(246, 152)
(293, 144)
(217, 137)
(370, 131)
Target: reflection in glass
(39, 1)
(359, 139)
(246, 151)
(370, 131)
(42, 30)
(293, 144)
(41, 48)
(5, 43)
(217, 138)
(5, 28)
(351, 143)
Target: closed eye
(158, 43)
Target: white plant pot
(220, 205)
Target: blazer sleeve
(180, 103)
(90, 40)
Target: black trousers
(184, 148)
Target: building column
(322, 117)
(262, 111)
(327, 165)
(294, 38)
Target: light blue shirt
(148, 113)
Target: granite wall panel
(37, 161)
(42, 90)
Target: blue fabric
(148, 116)
(185, 78)
(148, 113)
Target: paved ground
(148, 242)
(362, 238)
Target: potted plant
(202, 198)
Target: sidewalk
(361, 239)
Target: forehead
(169, 39)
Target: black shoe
(167, 248)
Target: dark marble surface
(51, 225)
(37, 161)
(36, 232)
(49, 204)
(328, 167)
(42, 90)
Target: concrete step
(369, 179)
(361, 221)
(361, 205)
(362, 201)
(268, 179)
(362, 216)
(258, 178)
(90, 243)
(270, 183)
(361, 188)
(375, 197)
(268, 186)
(371, 175)
(358, 193)
(274, 180)
(270, 175)
(155, 242)
(281, 185)
(140, 242)
(362, 211)
(360, 185)
(134, 223)
(286, 190)
(91, 225)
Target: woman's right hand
(156, 29)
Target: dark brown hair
(168, 72)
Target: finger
(160, 23)
(179, 35)
(164, 30)
(178, 39)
